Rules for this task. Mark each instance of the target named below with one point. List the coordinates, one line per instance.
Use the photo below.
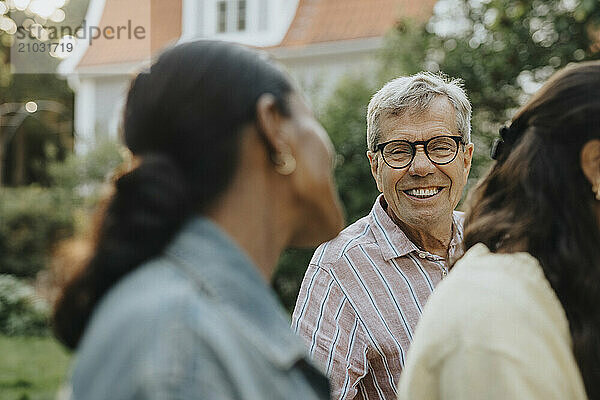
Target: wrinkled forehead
(412, 123)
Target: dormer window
(241, 15)
(231, 16)
(222, 16)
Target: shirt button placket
(444, 269)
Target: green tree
(345, 119)
(22, 312)
(34, 219)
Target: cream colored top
(493, 329)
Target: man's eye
(399, 149)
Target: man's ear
(590, 161)
(269, 123)
(375, 171)
(468, 159)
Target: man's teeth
(427, 192)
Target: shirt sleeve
(333, 334)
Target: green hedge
(32, 219)
(22, 313)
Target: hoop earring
(285, 163)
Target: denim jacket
(198, 322)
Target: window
(231, 16)
(222, 16)
(241, 15)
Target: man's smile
(424, 192)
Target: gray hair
(415, 93)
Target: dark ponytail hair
(537, 196)
(183, 120)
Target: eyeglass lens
(439, 150)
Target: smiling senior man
(363, 292)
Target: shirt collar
(392, 240)
(225, 273)
(456, 250)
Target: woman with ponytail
(519, 315)
(174, 302)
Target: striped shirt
(360, 301)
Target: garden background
(502, 49)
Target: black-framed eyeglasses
(439, 150)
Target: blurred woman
(174, 302)
(519, 315)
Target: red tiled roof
(315, 21)
(164, 28)
(319, 21)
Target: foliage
(92, 168)
(31, 368)
(345, 118)
(21, 311)
(403, 52)
(32, 219)
(288, 276)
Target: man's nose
(421, 165)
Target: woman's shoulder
(152, 303)
(145, 323)
(486, 285)
(494, 301)
(488, 277)
(494, 317)
(481, 261)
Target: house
(319, 41)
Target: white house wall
(98, 108)
(111, 92)
(85, 111)
(318, 68)
(320, 77)
(192, 21)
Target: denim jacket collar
(230, 278)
